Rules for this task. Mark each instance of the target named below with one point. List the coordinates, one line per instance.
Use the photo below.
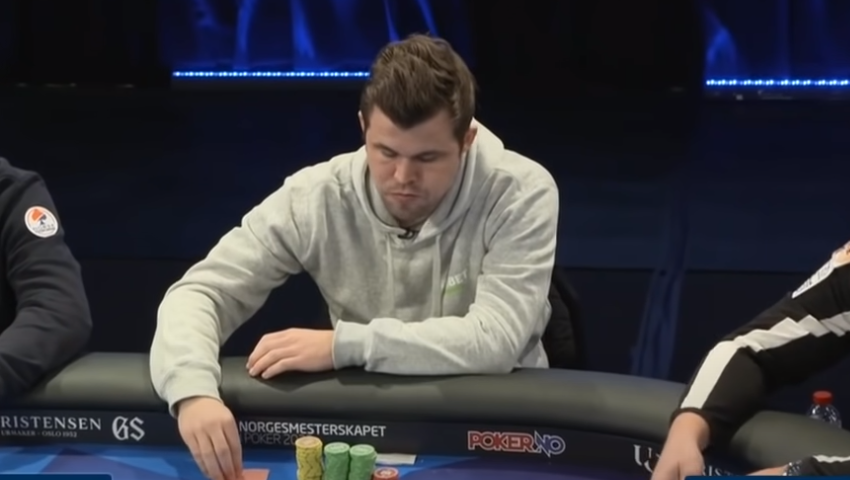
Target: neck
(416, 225)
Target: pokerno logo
(124, 429)
(516, 442)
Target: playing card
(255, 474)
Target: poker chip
(337, 460)
(385, 473)
(308, 456)
(363, 458)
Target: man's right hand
(209, 430)
(682, 452)
(679, 460)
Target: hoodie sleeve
(512, 291)
(801, 335)
(52, 319)
(823, 466)
(220, 293)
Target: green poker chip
(363, 458)
(337, 460)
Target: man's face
(413, 169)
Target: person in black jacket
(44, 314)
(803, 334)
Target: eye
(388, 153)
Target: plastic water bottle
(822, 409)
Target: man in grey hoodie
(433, 246)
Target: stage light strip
(326, 75)
(283, 75)
(778, 83)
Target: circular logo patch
(41, 222)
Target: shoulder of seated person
(520, 172)
(326, 181)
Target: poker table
(101, 415)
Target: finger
(221, 447)
(270, 359)
(260, 350)
(231, 434)
(766, 472)
(661, 473)
(690, 471)
(266, 344)
(283, 365)
(192, 443)
(264, 362)
(207, 453)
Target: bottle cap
(822, 397)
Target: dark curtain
(599, 61)
(546, 45)
(85, 42)
(650, 45)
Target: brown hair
(414, 79)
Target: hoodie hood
(457, 201)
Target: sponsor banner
(646, 457)
(279, 432)
(43, 426)
(516, 442)
(18, 427)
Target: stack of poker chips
(363, 458)
(308, 456)
(337, 461)
(385, 473)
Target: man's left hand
(770, 472)
(292, 350)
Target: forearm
(185, 349)
(816, 466)
(794, 339)
(437, 346)
(824, 466)
(214, 298)
(689, 427)
(52, 320)
(40, 341)
(727, 389)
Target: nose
(405, 172)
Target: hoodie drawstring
(436, 280)
(390, 273)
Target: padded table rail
(618, 405)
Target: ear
(469, 138)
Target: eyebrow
(420, 154)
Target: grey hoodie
(467, 295)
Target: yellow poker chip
(308, 456)
(308, 443)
